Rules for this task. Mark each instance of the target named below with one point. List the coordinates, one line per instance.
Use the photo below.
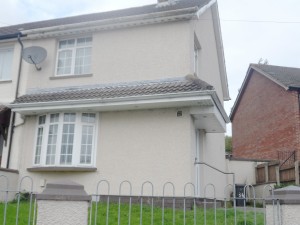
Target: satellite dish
(34, 55)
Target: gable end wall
(266, 120)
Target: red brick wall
(266, 120)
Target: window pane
(54, 118)
(88, 117)
(51, 147)
(42, 120)
(64, 62)
(69, 117)
(66, 43)
(6, 58)
(86, 144)
(83, 60)
(38, 148)
(84, 41)
(67, 140)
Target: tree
(228, 144)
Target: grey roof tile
(103, 15)
(287, 76)
(114, 91)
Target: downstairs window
(65, 139)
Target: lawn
(146, 215)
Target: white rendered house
(134, 94)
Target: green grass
(135, 215)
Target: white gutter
(120, 20)
(204, 8)
(90, 29)
(182, 98)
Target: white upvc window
(74, 56)
(66, 139)
(6, 59)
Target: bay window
(65, 139)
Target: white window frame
(76, 144)
(73, 49)
(9, 75)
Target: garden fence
(149, 209)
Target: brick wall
(266, 120)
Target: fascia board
(181, 99)
(107, 104)
(204, 8)
(95, 28)
(220, 107)
(220, 51)
(115, 21)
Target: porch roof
(188, 91)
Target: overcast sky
(251, 29)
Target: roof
(3, 108)
(286, 77)
(147, 9)
(114, 91)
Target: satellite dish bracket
(37, 68)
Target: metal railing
(145, 208)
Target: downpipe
(13, 120)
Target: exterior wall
(208, 58)
(136, 146)
(124, 55)
(213, 154)
(266, 120)
(244, 171)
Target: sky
(251, 29)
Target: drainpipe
(16, 95)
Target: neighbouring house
(265, 116)
(134, 94)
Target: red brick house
(265, 116)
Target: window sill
(62, 169)
(70, 76)
(5, 81)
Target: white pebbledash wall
(153, 145)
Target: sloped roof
(286, 77)
(147, 9)
(113, 91)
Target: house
(134, 94)
(265, 116)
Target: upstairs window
(74, 56)
(65, 139)
(6, 58)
